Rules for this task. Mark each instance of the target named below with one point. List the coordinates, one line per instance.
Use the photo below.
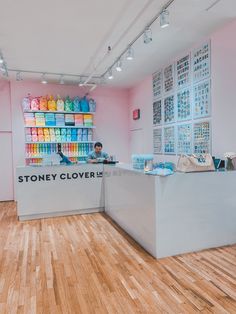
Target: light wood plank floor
(86, 264)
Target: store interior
(154, 82)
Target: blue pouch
(77, 107)
(92, 105)
(84, 105)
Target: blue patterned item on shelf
(63, 131)
(163, 172)
(79, 134)
(90, 134)
(76, 102)
(138, 161)
(50, 119)
(84, 104)
(92, 105)
(68, 131)
(60, 119)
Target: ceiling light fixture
(130, 54)
(44, 81)
(164, 19)
(147, 35)
(119, 66)
(110, 75)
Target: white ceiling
(72, 36)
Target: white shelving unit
(35, 151)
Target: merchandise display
(157, 84)
(53, 123)
(195, 163)
(138, 161)
(201, 132)
(183, 71)
(169, 79)
(60, 104)
(202, 101)
(157, 112)
(69, 106)
(201, 62)
(169, 109)
(183, 105)
(157, 141)
(169, 140)
(184, 137)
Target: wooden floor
(86, 264)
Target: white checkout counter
(176, 214)
(165, 215)
(59, 190)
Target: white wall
(223, 77)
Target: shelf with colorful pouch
(50, 122)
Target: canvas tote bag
(195, 163)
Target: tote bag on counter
(195, 163)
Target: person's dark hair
(97, 144)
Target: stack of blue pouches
(50, 119)
(60, 119)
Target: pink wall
(223, 45)
(111, 118)
(223, 66)
(140, 97)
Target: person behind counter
(97, 154)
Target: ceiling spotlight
(19, 77)
(44, 81)
(147, 35)
(62, 82)
(119, 66)
(130, 54)
(110, 75)
(164, 19)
